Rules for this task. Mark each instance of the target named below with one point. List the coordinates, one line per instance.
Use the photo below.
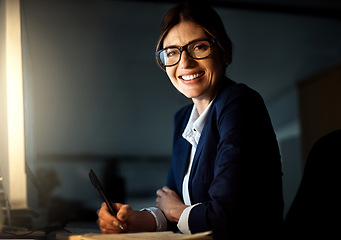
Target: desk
(80, 232)
(135, 236)
(90, 231)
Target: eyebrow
(194, 40)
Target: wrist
(175, 213)
(141, 221)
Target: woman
(226, 173)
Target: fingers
(108, 223)
(159, 192)
(104, 215)
(163, 191)
(107, 227)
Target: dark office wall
(95, 97)
(95, 84)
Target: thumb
(124, 212)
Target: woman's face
(195, 78)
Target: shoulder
(232, 91)
(240, 94)
(239, 105)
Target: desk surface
(91, 232)
(135, 236)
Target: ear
(225, 59)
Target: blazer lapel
(198, 151)
(186, 155)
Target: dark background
(96, 99)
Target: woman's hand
(126, 220)
(170, 203)
(109, 224)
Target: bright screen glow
(13, 160)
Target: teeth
(191, 77)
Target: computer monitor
(18, 191)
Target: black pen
(94, 180)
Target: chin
(190, 95)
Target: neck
(201, 104)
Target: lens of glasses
(197, 50)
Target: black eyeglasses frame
(181, 49)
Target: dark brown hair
(202, 14)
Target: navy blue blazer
(236, 173)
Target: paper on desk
(148, 235)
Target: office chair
(315, 211)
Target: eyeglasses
(198, 49)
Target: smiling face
(198, 79)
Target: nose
(186, 61)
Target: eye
(171, 52)
(201, 47)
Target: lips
(190, 77)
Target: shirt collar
(195, 125)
